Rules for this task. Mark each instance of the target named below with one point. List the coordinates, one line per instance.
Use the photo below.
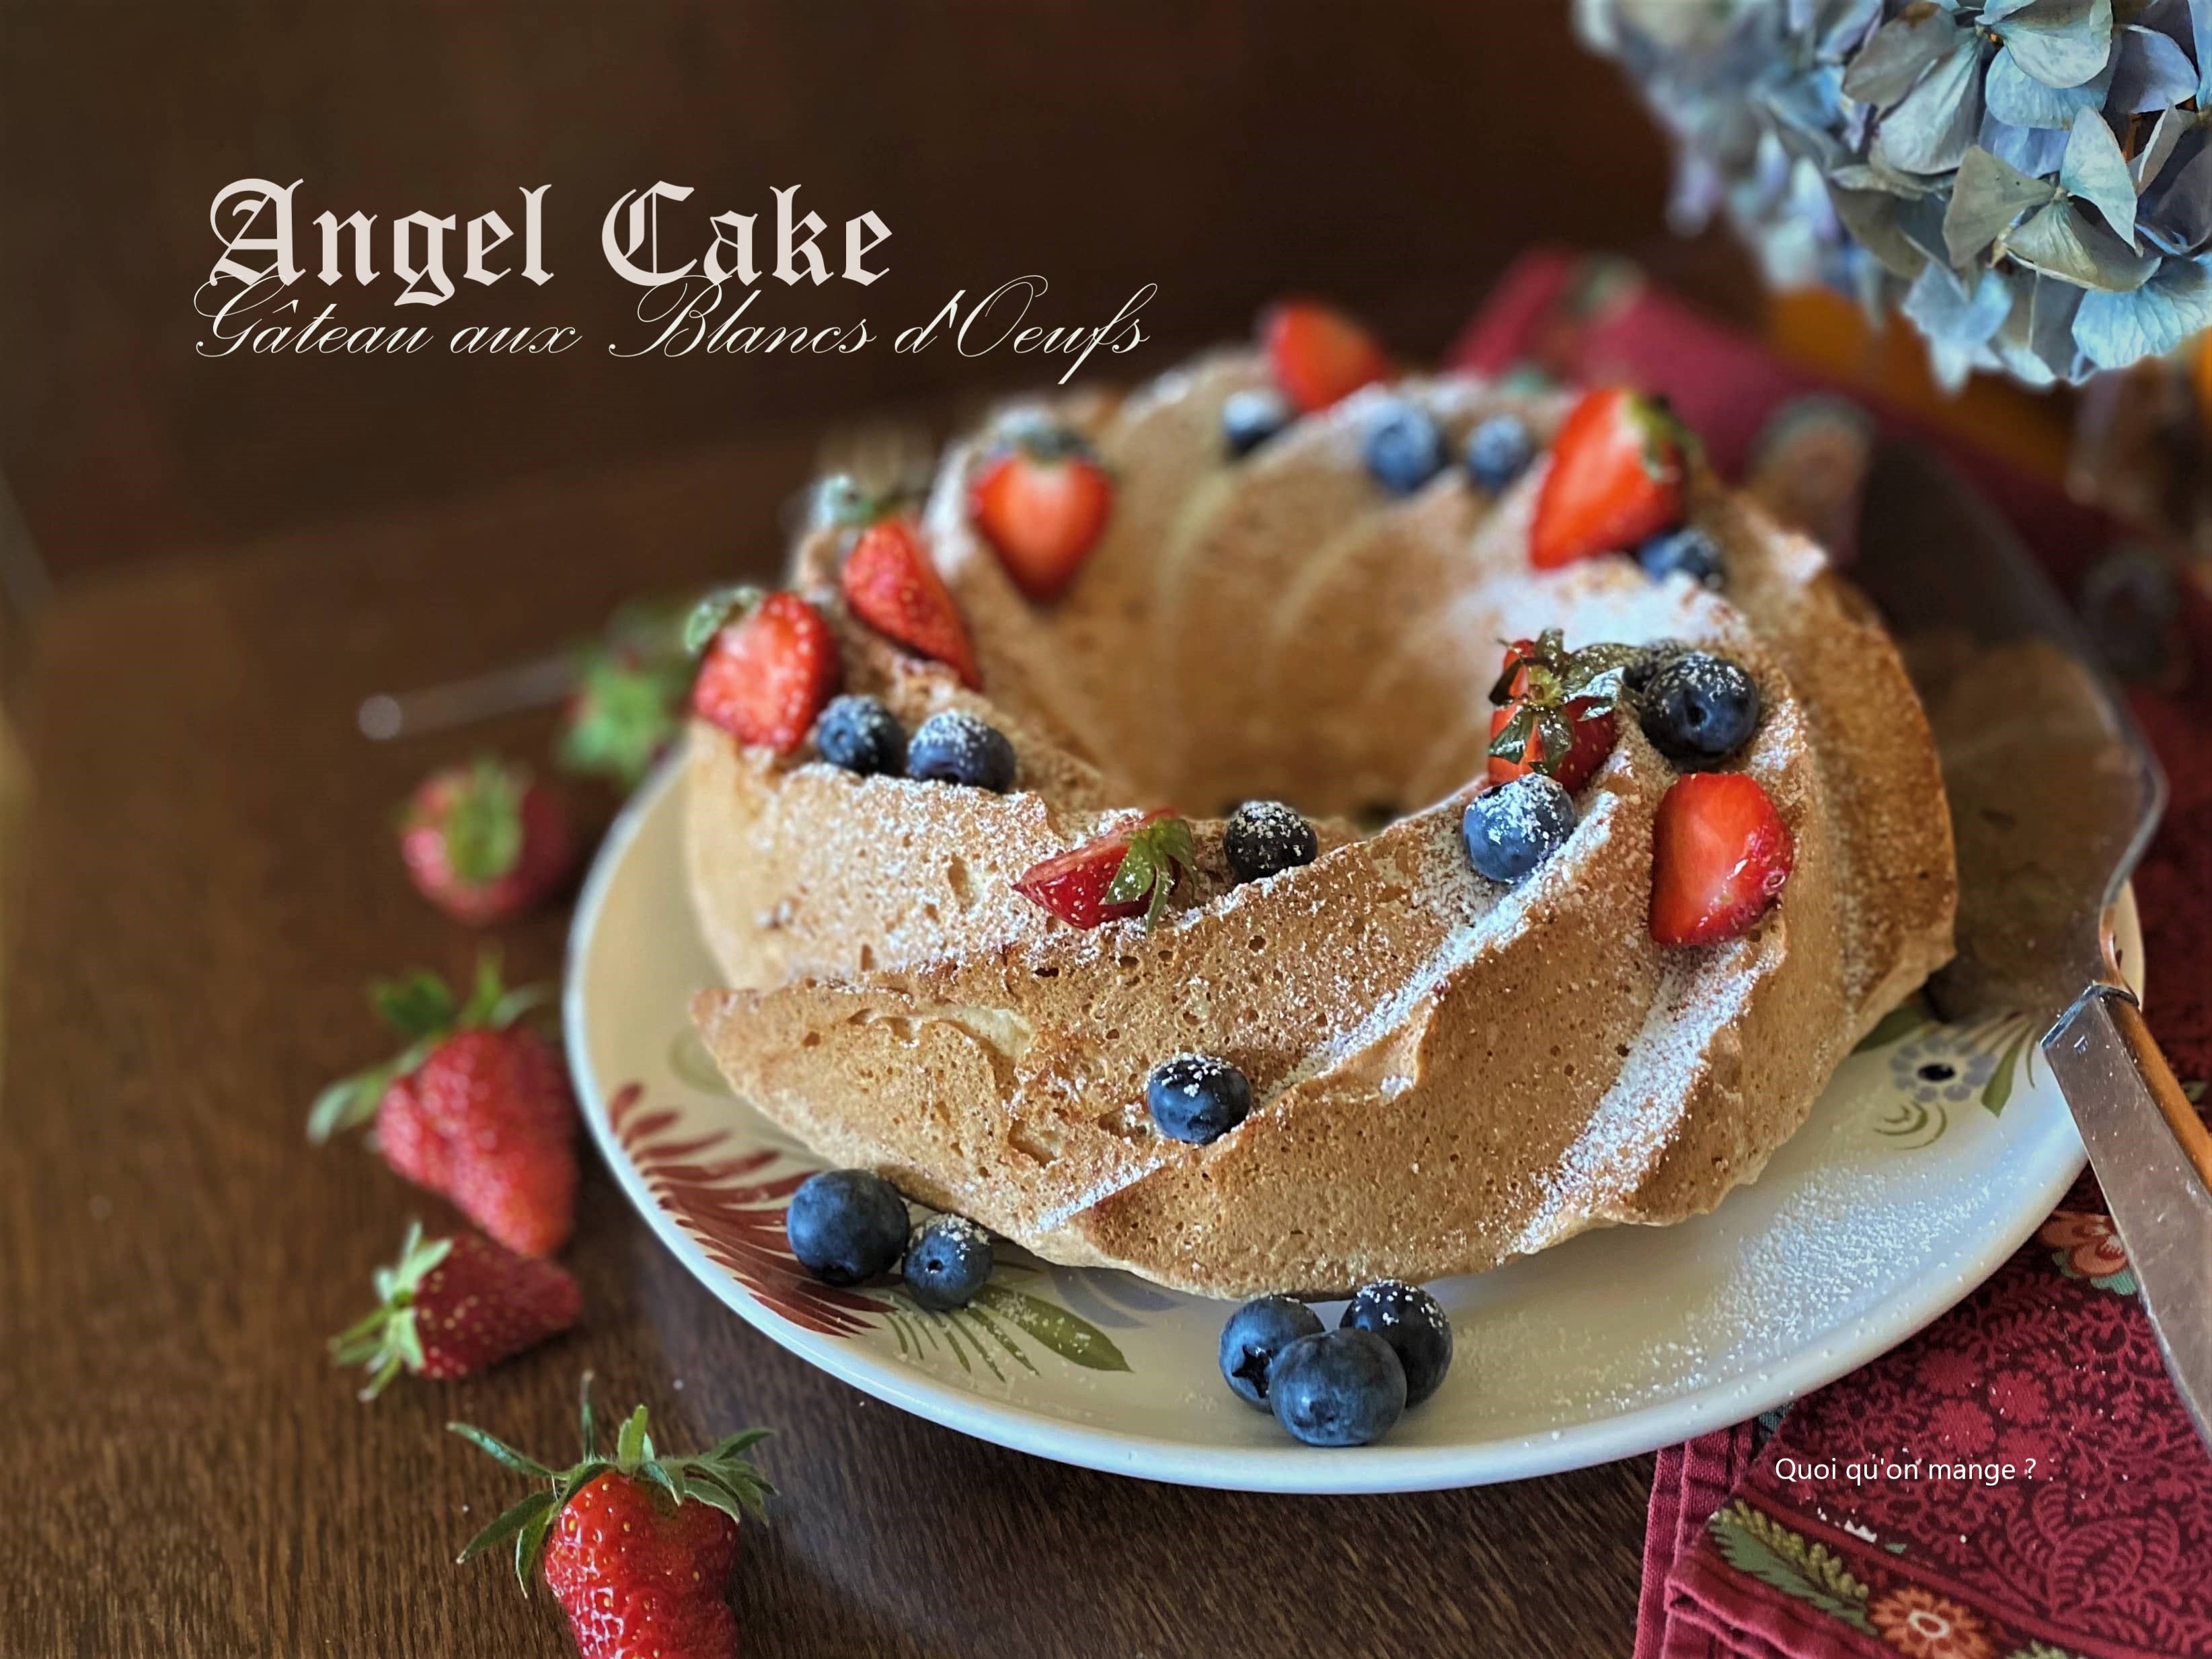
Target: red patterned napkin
(1868, 1521)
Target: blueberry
(860, 735)
(1342, 1387)
(955, 747)
(1266, 837)
(1403, 445)
(1196, 1097)
(1514, 828)
(846, 1226)
(1499, 450)
(1698, 708)
(947, 1263)
(1412, 1322)
(1254, 1335)
(1688, 551)
(1252, 416)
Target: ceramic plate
(1934, 1153)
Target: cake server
(2054, 794)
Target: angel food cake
(1294, 825)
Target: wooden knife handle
(2165, 1089)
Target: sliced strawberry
(1615, 479)
(892, 586)
(1043, 499)
(771, 666)
(1319, 354)
(1720, 856)
(1127, 873)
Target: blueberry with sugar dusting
(1499, 450)
(1254, 1335)
(1197, 1098)
(1687, 552)
(847, 1225)
(1403, 445)
(1342, 1387)
(860, 735)
(953, 746)
(1412, 1322)
(947, 1263)
(1250, 417)
(1264, 838)
(1698, 708)
(1512, 829)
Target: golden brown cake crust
(1446, 1073)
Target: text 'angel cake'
(1291, 825)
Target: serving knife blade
(2054, 796)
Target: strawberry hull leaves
(1158, 854)
(419, 1005)
(1119, 875)
(722, 1477)
(716, 611)
(1552, 691)
(483, 823)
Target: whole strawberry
(1555, 712)
(485, 842)
(770, 663)
(637, 1548)
(477, 1107)
(450, 1306)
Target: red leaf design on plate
(738, 1220)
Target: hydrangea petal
(2149, 161)
(2034, 151)
(2175, 213)
(1931, 127)
(2114, 329)
(1958, 322)
(2016, 96)
(1871, 218)
(2062, 43)
(1989, 197)
(2064, 241)
(2095, 172)
(2149, 72)
(1899, 52)
(2200, 30)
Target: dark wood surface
(205, 882)
(1393, 156)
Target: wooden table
(206, 880)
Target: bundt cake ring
(1180, 883)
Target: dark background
(1392, 157)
